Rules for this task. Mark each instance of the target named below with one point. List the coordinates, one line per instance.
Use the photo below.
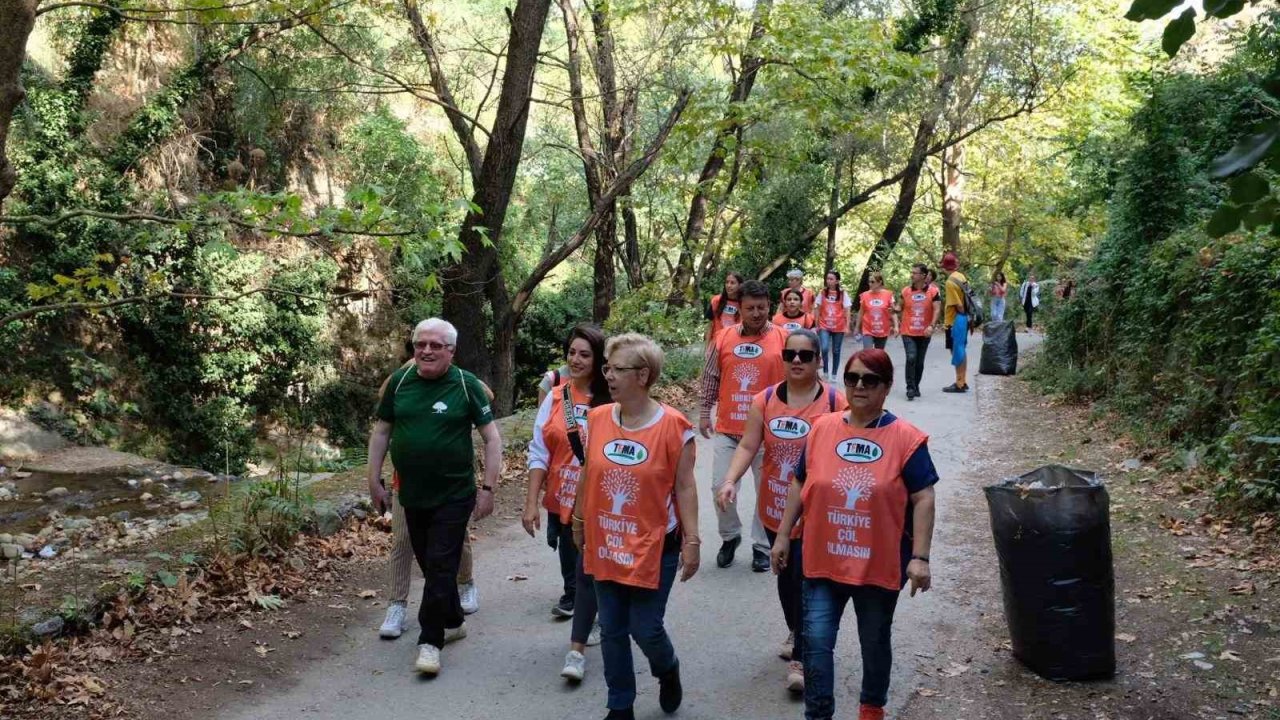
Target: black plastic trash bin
(1052, 529)
(999, 349)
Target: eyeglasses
(806, 356)
(432, 346)
(615, 369)
(870, 381)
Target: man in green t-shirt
(426, 415)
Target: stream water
(31, 498)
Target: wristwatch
(920, 557)
(489, 488)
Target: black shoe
(627, 714)
(724, 558)
(911, 395)
(670, 691)
(953, 388)
(759, 560)
(564, 608)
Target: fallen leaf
(517, 577)
(292, 634)
(246, 624)
(1245, 588)
(1230, 655)
(926, 692)
(954, 670)
(368, 593)
(1125, 637)
(262, 650)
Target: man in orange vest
(742, 361)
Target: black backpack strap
(571, 425)
(831, 398)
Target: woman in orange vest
(636, 520)
(832, 315)
(875, 317)
(723, 310)
(792, 315)
(864, 489)
(555, 456)
(780, 419)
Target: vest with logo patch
(918, 310)
(747, 366)
(563, 469)
(731, 315)
(783, 437)
(877, 313)
(804, 322)
(833, 316)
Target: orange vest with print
(804, 322)
(562, 467)
(747, 366)
(785, 431)
(917, 310)
(806, 298)
(855, 501)
(730, 316)
(877, 312)
(833, 316)
(631, 477)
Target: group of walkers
(844, 489)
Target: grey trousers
(722, 449)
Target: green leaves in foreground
(1178, 32)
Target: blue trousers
(824, 603)
(832, 343)
(628, 613)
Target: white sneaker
(795, 677)
(455, 634)
(428, 660)
(593, 639)
(575, 666)
(784, 651)
(470, 598)
(393, 624)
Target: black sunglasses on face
(870, 381)
(806, 356)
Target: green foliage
(265, 517)
(546, 323)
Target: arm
(492, 468)
(379, 439)
(747, 448)
(782, 545)
(709, 389)
(538, 460)
(922, 517)
(687, 507)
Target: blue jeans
(628, 613)
(997, 309)
(824, 603)
(831, 343)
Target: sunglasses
(806, 356)
(870, 381)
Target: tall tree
(17, 18)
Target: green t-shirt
(431, 433)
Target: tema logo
(788, 428)
(626, 452)
(876, 302)
(919, 297)
(791, 326)
(730, 310)
(580, 413)
(748, 351)
(859, 450)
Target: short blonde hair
(647, 352)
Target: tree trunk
(631, 232)
(17, 17)
(952, 196)
(605, 279)
(835, 219)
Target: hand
(578, 534)
(380, 496)
(531, 519)
(726, 495)
(780, 553)
(704, 427)
(484, 505)
(918, 573)
(690, 559)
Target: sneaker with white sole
(795, 677)
(455, 634)
(393, 623)
(428, 660)
(470, 598)
(593, 638)
(575, 666)
(784, 651)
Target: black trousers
(1030, 310)
(436, 535)
(915, 348)
(791, 593)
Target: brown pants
(402, 561)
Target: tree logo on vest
(621, 487)
(439, 407)
(859, 450)
(855, 484)
(626, 452)
(788, 428)
(748, 351)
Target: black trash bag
(999, 349)
(1052, 530)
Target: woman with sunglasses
(555, 456)
(791, 315)
(864, 490)
(780, 419)
(875, 317)
(636, 520)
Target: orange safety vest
(563, 468)
(631, 480)
(855, 501)
(730, 316)
(806, 298)
(917, 310)
(784, 433)
(747, 366)
(833, 316)
(804, 322)
(877, 313)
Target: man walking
(743, 360)
(956, 320)
(425, 417)
(918, 308)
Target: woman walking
(636, 520)
(999, 289)
(792, 315)
(780, 419)
(832, 315)
(1029, 296)
(865, 494)
(876, 320)
(724, 308)
(555, 457)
